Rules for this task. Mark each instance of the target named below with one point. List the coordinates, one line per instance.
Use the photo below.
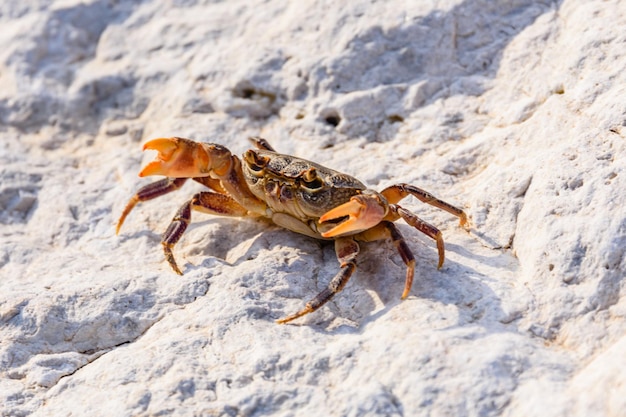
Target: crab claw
(177, 157)
(364, 211)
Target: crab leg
(206, 202)
(397, 192)
(347, 250)
(386, 230)
(148, 192)
(426, 228)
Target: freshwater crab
(294, 193)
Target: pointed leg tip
(464, 223)
(175, 267)
(294, 316)
(287, 319)
(119, 225)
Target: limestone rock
(513, 110)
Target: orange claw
(177, 158)
(363, 211)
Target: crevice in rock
(97, 354)
(522, 195)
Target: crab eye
(311, 181)
(316, 184)
(255, 162)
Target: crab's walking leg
(397, 192)
(426, 228)
(386, 230)
(148, 192)
(206, 202)
(347, 250)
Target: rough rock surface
(513, 110)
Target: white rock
(512, 110)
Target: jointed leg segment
(384, 230)
(206, 202)
(426, 228)
(347, 250)
(397, 192)
(148, 192)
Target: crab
(293, 193)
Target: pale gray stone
(512, 110)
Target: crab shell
(298, 193)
